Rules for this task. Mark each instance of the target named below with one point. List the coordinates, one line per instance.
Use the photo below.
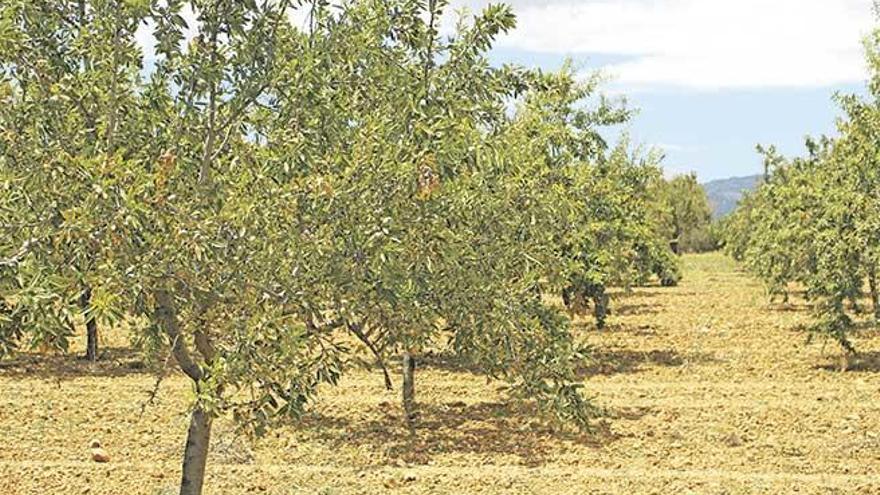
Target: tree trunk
(409, 390)
(854, 305)
(875, 296)
(195, 455)
(601, 302)
(566, 297)
(85, 301)
(844, 361)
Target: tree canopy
(259, 198)
(813, 222)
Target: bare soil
(706, 388)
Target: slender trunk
(844, 361)
(85, 301)
(358, 331)
(409, 390)
(875, 296)
(195, 455)
(601, 302)
(675, 243)
(566, 297)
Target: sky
(711, 79)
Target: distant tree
(611, 236)
(67, 82)
(814, 220)
(619, 240)
(152, 191)
(691, 220)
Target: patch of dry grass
(708, 389)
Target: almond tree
(441, 230)
(274, 190)
(691, 214)
(180, 225)
(814, 219)
(68, 71)
(613, 235)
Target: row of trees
(813, 223)
(260, 198)
(690, 223)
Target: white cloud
(679, 148)
(693, 44)
(703, 44)
(144, 36)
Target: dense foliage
(258, 198)
(691, 218)
(813, 222)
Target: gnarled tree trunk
(195, 454)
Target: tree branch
(166, 314)
(358, 332)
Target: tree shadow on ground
(865, 362)
(642, 292)
(615, 327)
(112, 362)
(589, 326)
(489, 428)
(654, 296)
(680, 293)
(603, 361)
(445, 361)
(619, 361)
(634, 309)
(865, 328)
(789, 307)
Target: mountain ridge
(724, 194)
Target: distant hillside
(724, 194)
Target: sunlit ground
(706, 388)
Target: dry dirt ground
(707, 389)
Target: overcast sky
(712, 78)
